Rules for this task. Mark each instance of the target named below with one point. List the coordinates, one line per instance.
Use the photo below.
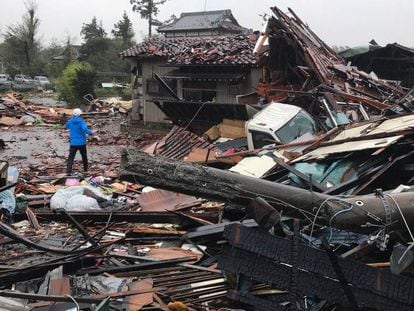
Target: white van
(278, 123)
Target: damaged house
(200, 64)
(393, 61)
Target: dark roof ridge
(205, 12)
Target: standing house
(205, 58)
(201, 24)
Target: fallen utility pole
(221, 185)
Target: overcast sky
(338, 22)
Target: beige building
(197, 70)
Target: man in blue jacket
(77, 132)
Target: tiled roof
(203, 20)
(230, 50)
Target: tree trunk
(150, 19)
(226, 186)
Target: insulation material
(254, 166)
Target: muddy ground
(44, 148)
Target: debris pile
(14, 111)
(326, 176)
(307, 205)
(316, 68)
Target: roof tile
(198, 50)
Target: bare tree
(24, 34)
(148, 9)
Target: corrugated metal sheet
(178, 143)
(387, 126)
(396, 124)
(322, 152)
(161, 200)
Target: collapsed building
(392, 62)
(340, 162)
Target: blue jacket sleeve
(85, 128)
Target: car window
(261, 139)
(300, 124)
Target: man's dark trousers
(72, 153)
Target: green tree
(100, 51)
(148, 9)
(96, 43)
(77, 80)
(123, 30)
(93, 30)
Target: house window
(234, 89)
(199, 91)
(156, 90)
(153, 87)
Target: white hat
(77, 112)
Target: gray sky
(338, 22)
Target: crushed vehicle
(278, 123)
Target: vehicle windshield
(261, 139)
(300, 124)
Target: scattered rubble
(307, 205)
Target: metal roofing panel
(393, 125)
(161, 200)
(322, 152)
(179, 143)
(352, 132)
(405, 122)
